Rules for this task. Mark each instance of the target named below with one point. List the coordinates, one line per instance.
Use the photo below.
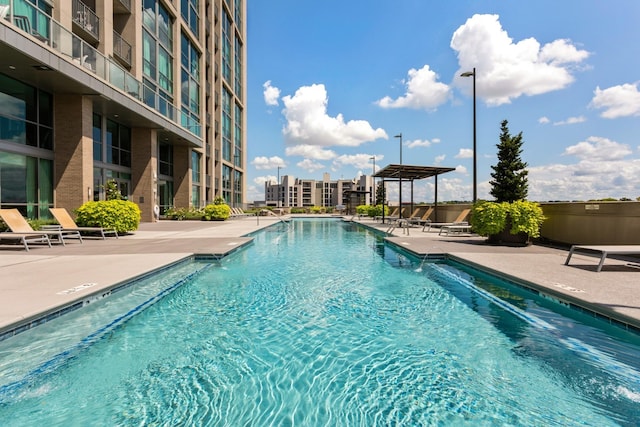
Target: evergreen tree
(509, 181)
(381, 194)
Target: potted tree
(510, 219)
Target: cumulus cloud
(263, 162)
(310, 152)
(423, 92)
(617, 101)
(308, 122)
(271, 93)
(310, 166)
(361, 161)
(464, 153)
(505, 69)
(544, 120)
(571, 121)
(439, 159)
(585, 180)
(421, 143)
(598, 149)
(261, 180)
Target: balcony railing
(37, 24)
(126, 4)
(121, 48)
(86, 18)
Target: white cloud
(571, 121)
(262, 162)
(544, 120)
(424, 92)
(310, 152)
(617, 101)
(464, 153)
(585, 180)
(310, 166)
(271, 93)
(261, 180)
(360, 161)
(598, 149)
(461, 169)
(440, 159)
(506, 70)
(421, 143)
(308, 122)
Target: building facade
(294, 192)
(148, 93)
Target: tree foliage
(509, 175)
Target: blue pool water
(319, 323)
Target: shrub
(180, 214)
(216, 212)
(489, 218)
(122, 215)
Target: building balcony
(86, 20)
(122, 49)
(74, 49)
(122, 7)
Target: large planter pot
(507, 239)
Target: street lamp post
(400, 179)
(475, 165)
(373, 178)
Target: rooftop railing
(36, 23)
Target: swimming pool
(320, 323)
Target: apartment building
(302, 193)
(149, 93)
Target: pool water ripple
(310, 333)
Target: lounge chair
(422, 220)
(68, 224)
(27, 238)
(460, 220)
(17, 224)
(604, 250)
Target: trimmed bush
(180, 214)
(216, 212)
(489, 218)
(122, 215)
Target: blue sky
(330, 83)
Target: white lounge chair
(460, 220)
(68, 224)
(18, 224)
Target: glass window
(26, 114)
(26, 183)
(97, 137)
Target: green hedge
(122, 215)
(216, 212)
(489, 218)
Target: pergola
(411, 173)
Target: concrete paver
(33, 283)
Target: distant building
(151, 94)
(294, 192)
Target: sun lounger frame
(605, 251)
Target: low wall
(592, 223)
(584, 223)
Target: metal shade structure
(411, 173)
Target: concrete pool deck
(44, 279)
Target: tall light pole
(400, 179)
(373, 178)
(475, 165)
(279, 186)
